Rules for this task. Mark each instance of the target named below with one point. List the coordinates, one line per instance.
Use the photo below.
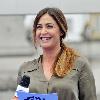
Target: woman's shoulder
(31, 64)
(81, 62)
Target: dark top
(79, 84)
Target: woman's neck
(49, 55)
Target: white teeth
(45, 38)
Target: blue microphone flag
(36, 96)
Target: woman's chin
(46, 46)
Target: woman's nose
(44, 30)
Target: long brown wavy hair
(65, 59)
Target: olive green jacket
(79, 84)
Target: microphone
(23, 85)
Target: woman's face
(47, 32)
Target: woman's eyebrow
(50, 23)
(46, 24)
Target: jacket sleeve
(19, 77)
(21, 72)
(24, 68)
(87, 89)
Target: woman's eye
(49, 26)
(39, 27)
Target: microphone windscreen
(25, 81)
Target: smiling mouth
(45, 38)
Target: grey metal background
(32, 6)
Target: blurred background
(16, 45)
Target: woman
(60, 69)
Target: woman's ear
(61, 34)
